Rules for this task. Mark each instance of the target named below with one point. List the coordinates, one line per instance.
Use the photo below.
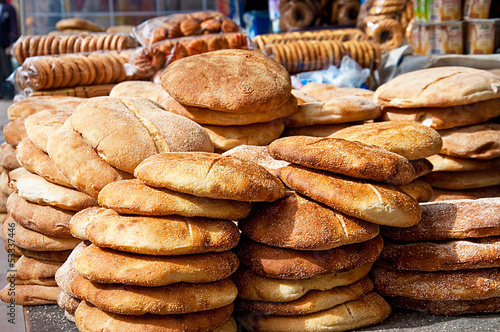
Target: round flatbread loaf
(439, 87)
(420, 191)
(30, 295)
(335, 155)
(144, 89)
(473, 284)
(441, 162)
(442, 256)
(336, 110)
(407, 138)
(293, 222)
(53, 256)
(135, 197)
(67, 271)
(8, 160)
(37, 190)
(378, 203)
(313, 301)
(34, 105)
(210, 117)
(480, 141)
(460, 219)
(178, 298)
(15, 131)
(368, 310)
(259, 155)
(41, 125)
(228, 137)
(256, 287)
(40, 218)
(464, 180)
(283, 263)
(211, 175)
(32, 271)
(448, 308)
(237, 81)
(78, 23)
(446, 117)
(326, 91)
(78, 223)
(89, 318)
(111, 266)
(446, 195)
(171, 235)
(67, 302)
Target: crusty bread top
(293, 222)
(336, 155)
(407, 138)
(41, 125)
(144, 89)
(34, 105)
(236, 81)
(34, 269)
(210, 175)
(258, 154)
(439, 87)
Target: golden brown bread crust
(8, 160)
(36, 161)
(420, 191)
(464, 180)
(32, 271)
(442, 256)
(15, 131)
(40, 218)
(368, 310)
(135, 197)
(407, 138)
(210, 175)
(178, 298)
(256, 287)
(111, 266)
(312, 301)
(89, 318)
(439, 87)
(326, 91)
(78, 23)
(481, 141)
(474, 284)
(252, 81)
(34, 105)
(421, 166)
(211, 117)
(446, 117)
(458, 219)
(79, 221)
(441, 162)
(294, 220)
(170, 235)
(145, 89)
(67, 271)
(378, 203)
(448, 308)
(67, 302)
(341, 156)
(446, 195)
(259, 155)
(53, 256)
(30, 295)
(283, 263)
(41, 125)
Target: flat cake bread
(112, 266)
(340, 156)
(15, 131)
(67, 302)
(8, 160)
(318, 130)
(481, 141)
(407, 138)
(53, 256)
(441, 162)
(67, 271)
(34, 105)
(211, 175)
(326, 91)
(259, 155)
(294, 220)
(31, 271)
(446, 195)
(284, 263)
(374, 202)
(464, 179)
(41, 125)
(439, 87)
(253, 82)
(79, 221)
(30, 294)
(144, 89)
(368, 310)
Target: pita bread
(441, 162)
(144, 89)
(480, 141)
(34, 105)
(30, 294)
(41, 125)
(31, 271)
(259, 155)
(464, 180)
(477, 193)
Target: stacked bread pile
(448, 264)
(77, 24)
(305, 257)
(161, 243)
(238, 96)
(325, 108)
(461, 104)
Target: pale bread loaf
(326, 91)
(14, 132)
(8, 160)
(34, 105)
(144, 89)
(259, 155)
(41, 125)
(481, 141)
(79, 221)
(465, 179)
(31, 271)
(441, 162)
(318, 130)
(30, 295)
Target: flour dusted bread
(346, 157)
(111, 266)
(15, 131)
(41, 125)
(458, 219)
(67, 302)
(79, 221)
(407, 138)
(294, 220)
(210, 175)
(237, 81)
(368, 310)
(67, 271)
(45, 219)
(30, 295)
(36, 189)
(481, 141)
(89, 318)
(31, 271)
(284, 263)
(378, 203)
(439, 87)
(326, 91)
(34, 105)
(259, 155)
(135, 197)
(144, 89)
(170, 235)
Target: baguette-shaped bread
(354, 159)
(420, 191)
(378, 203)
(211, 175)
(111, 266)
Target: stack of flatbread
(326, 108)
(238, 96)
(160, 244)
(305, 257)
(448, 264)
(461, 103)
